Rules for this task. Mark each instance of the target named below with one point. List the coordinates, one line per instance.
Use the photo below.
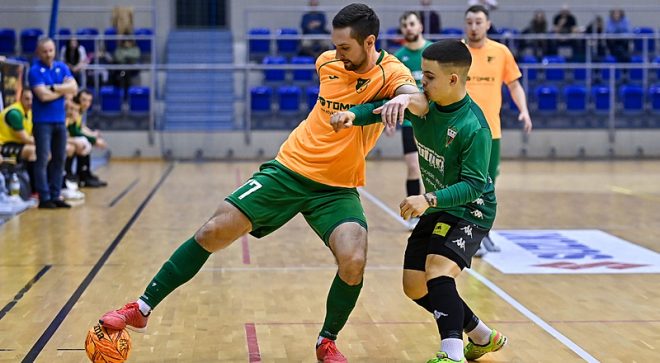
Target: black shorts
(409, 144)
(12, 150)
(445, 235)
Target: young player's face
(439, 81)
(411, 28)
(26, 100)
(72, 109)
(85, 102)
(476, 26)
(349, 51)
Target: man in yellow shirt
(315, 173)
(492, 65)
(16, 140)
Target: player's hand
(342, 120)
(526, 120)
(390, 131)
(413, 206)
(394, 110)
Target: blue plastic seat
(554, 74)
(452, 31)
(639, 43)
(7, 41)
(547, 97)
(274, 75)
(654, 96)
(289, 99)
(632, 97)
(532, 73)
(636, 74)
(312, 96)
(261, 99)
(89, 44)
(393, 44)
(303, 75)
(287, 46)
(605, 73)
(29, 39)
(63, 35)
(259, 47)
(576, 98)
(111, 99)
(601, 98)
(110, 44)
(138, 99)
(656, 62)
(144, 44)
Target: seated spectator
(565, 23)
(82, 138)
(75, 57)
(597, 27)
(538, 25)
(431, 17)
(618, 24)
(314, 22)
(16, 140)
(127, 52)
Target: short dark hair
(362, 20)
(83, 91)
(409, 13)
(452, 52)
(477, 9)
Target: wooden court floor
(263, 300)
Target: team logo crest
(451, 134)
(361, 85)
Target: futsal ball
(107, 346)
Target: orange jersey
(313, 149)
(492, 65)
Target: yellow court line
(626, 191)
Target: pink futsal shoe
(129, 317)
(327, 352)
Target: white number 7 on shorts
(255, 185)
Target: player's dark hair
(452, 52)
(407, 14)
(477, 9)
(362, 20)
(83, 91)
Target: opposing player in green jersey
(410, 55)
(458, 210)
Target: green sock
(184, 263)
(341, 301)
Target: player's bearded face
(411, 28)
(352, 53)
(476, 26)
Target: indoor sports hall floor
(591, 296)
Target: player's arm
(14, 119)
(407, 97)
(473, 179)
(358, 115)
(518, 96)
(45, 94)
(68, 87)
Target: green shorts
(275, 194)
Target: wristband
(431, 199)
(52, 88)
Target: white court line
(502, 294)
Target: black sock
(412, 187)
(470, 320)
(68, 163)
(83, 162)
(425, 302)
(30, 165)
(447, 306)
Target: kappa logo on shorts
(438, 314)
(441, 229)
(460, 243)
(467, 230)
(478, 201)
(477, 213)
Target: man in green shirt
(411, 56)
(459, 207)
